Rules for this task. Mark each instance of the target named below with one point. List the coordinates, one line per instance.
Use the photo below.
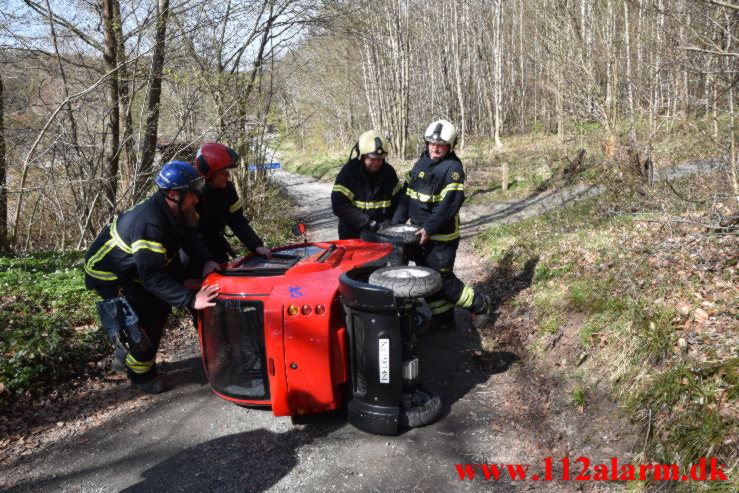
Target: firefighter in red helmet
(221, 206)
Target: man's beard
(190, 218)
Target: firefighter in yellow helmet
(366, 190)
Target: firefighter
(366, 191)
(220, 205)
(434, 193)
(134, 266)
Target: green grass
(599, 267)
(48, 320)
(701, 429)
(579, 394)
(323, 165)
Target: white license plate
(384, 357)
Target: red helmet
(212, 156)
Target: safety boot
(481, 317)
(153, 386)
(118, 363)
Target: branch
(64, 22)
(26, 162)
(711, 52)
(716, 228)
(724, 4)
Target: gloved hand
(373, 225)
(384, 224)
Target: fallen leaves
(700, 315)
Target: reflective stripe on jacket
(433, 195)
(138, 246)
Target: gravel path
(477, 217)
(313, 198)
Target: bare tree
(144, 170)
(3, 189)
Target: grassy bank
(650, 305)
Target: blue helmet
(179, 175)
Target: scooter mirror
(298, 229)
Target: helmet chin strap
(355, 148)
(178, 202)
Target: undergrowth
(658, 304)
(48, 320)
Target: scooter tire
(424, 408)
(407, 281)
(405, 231)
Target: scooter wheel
(405, 231)
(407, 281)
(419, 407)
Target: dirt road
(498, 409)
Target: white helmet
(441, 132)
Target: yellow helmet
(372, 144)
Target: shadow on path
(249, 461)
(455, 362)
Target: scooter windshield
(233, 346)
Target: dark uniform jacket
(359, 197)
(434, 193)
(218, 208)
(138, 246)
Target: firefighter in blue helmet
(134, 266)
(366, 190)
(433, 195)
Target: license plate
(384, 358)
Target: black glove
(384, 224)
(373, 225)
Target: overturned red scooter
(320, 325)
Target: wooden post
(504, 177)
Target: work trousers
(440, 256)
(153, 314)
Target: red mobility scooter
(321, 324)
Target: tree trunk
(152, 103)
(112, 146)
(4, 244)
(498, 70)
(457, 67)
(128, 145)
(629, 78)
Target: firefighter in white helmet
(433, 195)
